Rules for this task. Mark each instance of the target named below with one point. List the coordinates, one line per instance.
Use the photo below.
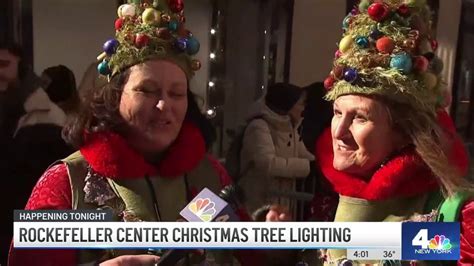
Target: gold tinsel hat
(147, 29)
(387, 49)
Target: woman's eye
(177, 95)
(337, 112)
(360, 118)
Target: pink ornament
(337, 54)
(434, 44)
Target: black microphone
(226, 204)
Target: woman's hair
(99, 111)
(432, 143)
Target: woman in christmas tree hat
(141, 138)
(391, 148)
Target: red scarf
(109, 155)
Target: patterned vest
(135, 199)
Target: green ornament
(364, 5)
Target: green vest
(136, 196)
(352, 209)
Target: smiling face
(362, 134)
(154, 104)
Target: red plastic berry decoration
(118, 24)
(377, 11)
(141, 40)
(329, 83)
(434, 44)
(337, 54)
(403, 10)
(385, 45)
(176, 5)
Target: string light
(264, 57)
(212, 55)
(265, 31)
(211, 113)
(213, 31)
(263, 87)
(211, 84)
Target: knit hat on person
(149, 29)
(387, 49)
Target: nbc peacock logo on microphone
(203, 208)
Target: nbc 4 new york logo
(430, 241)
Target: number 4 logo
(421, 239)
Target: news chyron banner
(363, 240)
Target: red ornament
(141, 40)
(163, 33)
(338, 72)
(385, 45)
(337, 54)
(176, 5)
(434, 44)
(118, 24)
(377, 11)
(403, 10)
(329, 83)
(421, 64)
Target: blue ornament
(192, 46)
(103, 68)
(376, 34)
(110, 46)
(346, 22)
(181, 43)
(402, 62)
(173, 25)
(362, 42)
(350, 75)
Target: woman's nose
(342, 128)
(160, 105)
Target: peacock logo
(440, 242)
(203, 208)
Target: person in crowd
(392, 153)
(142, 142)
(273, 154)
(317, 117)
(317, 114)
(61, 88)
(30, 134)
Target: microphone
(206, 207)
